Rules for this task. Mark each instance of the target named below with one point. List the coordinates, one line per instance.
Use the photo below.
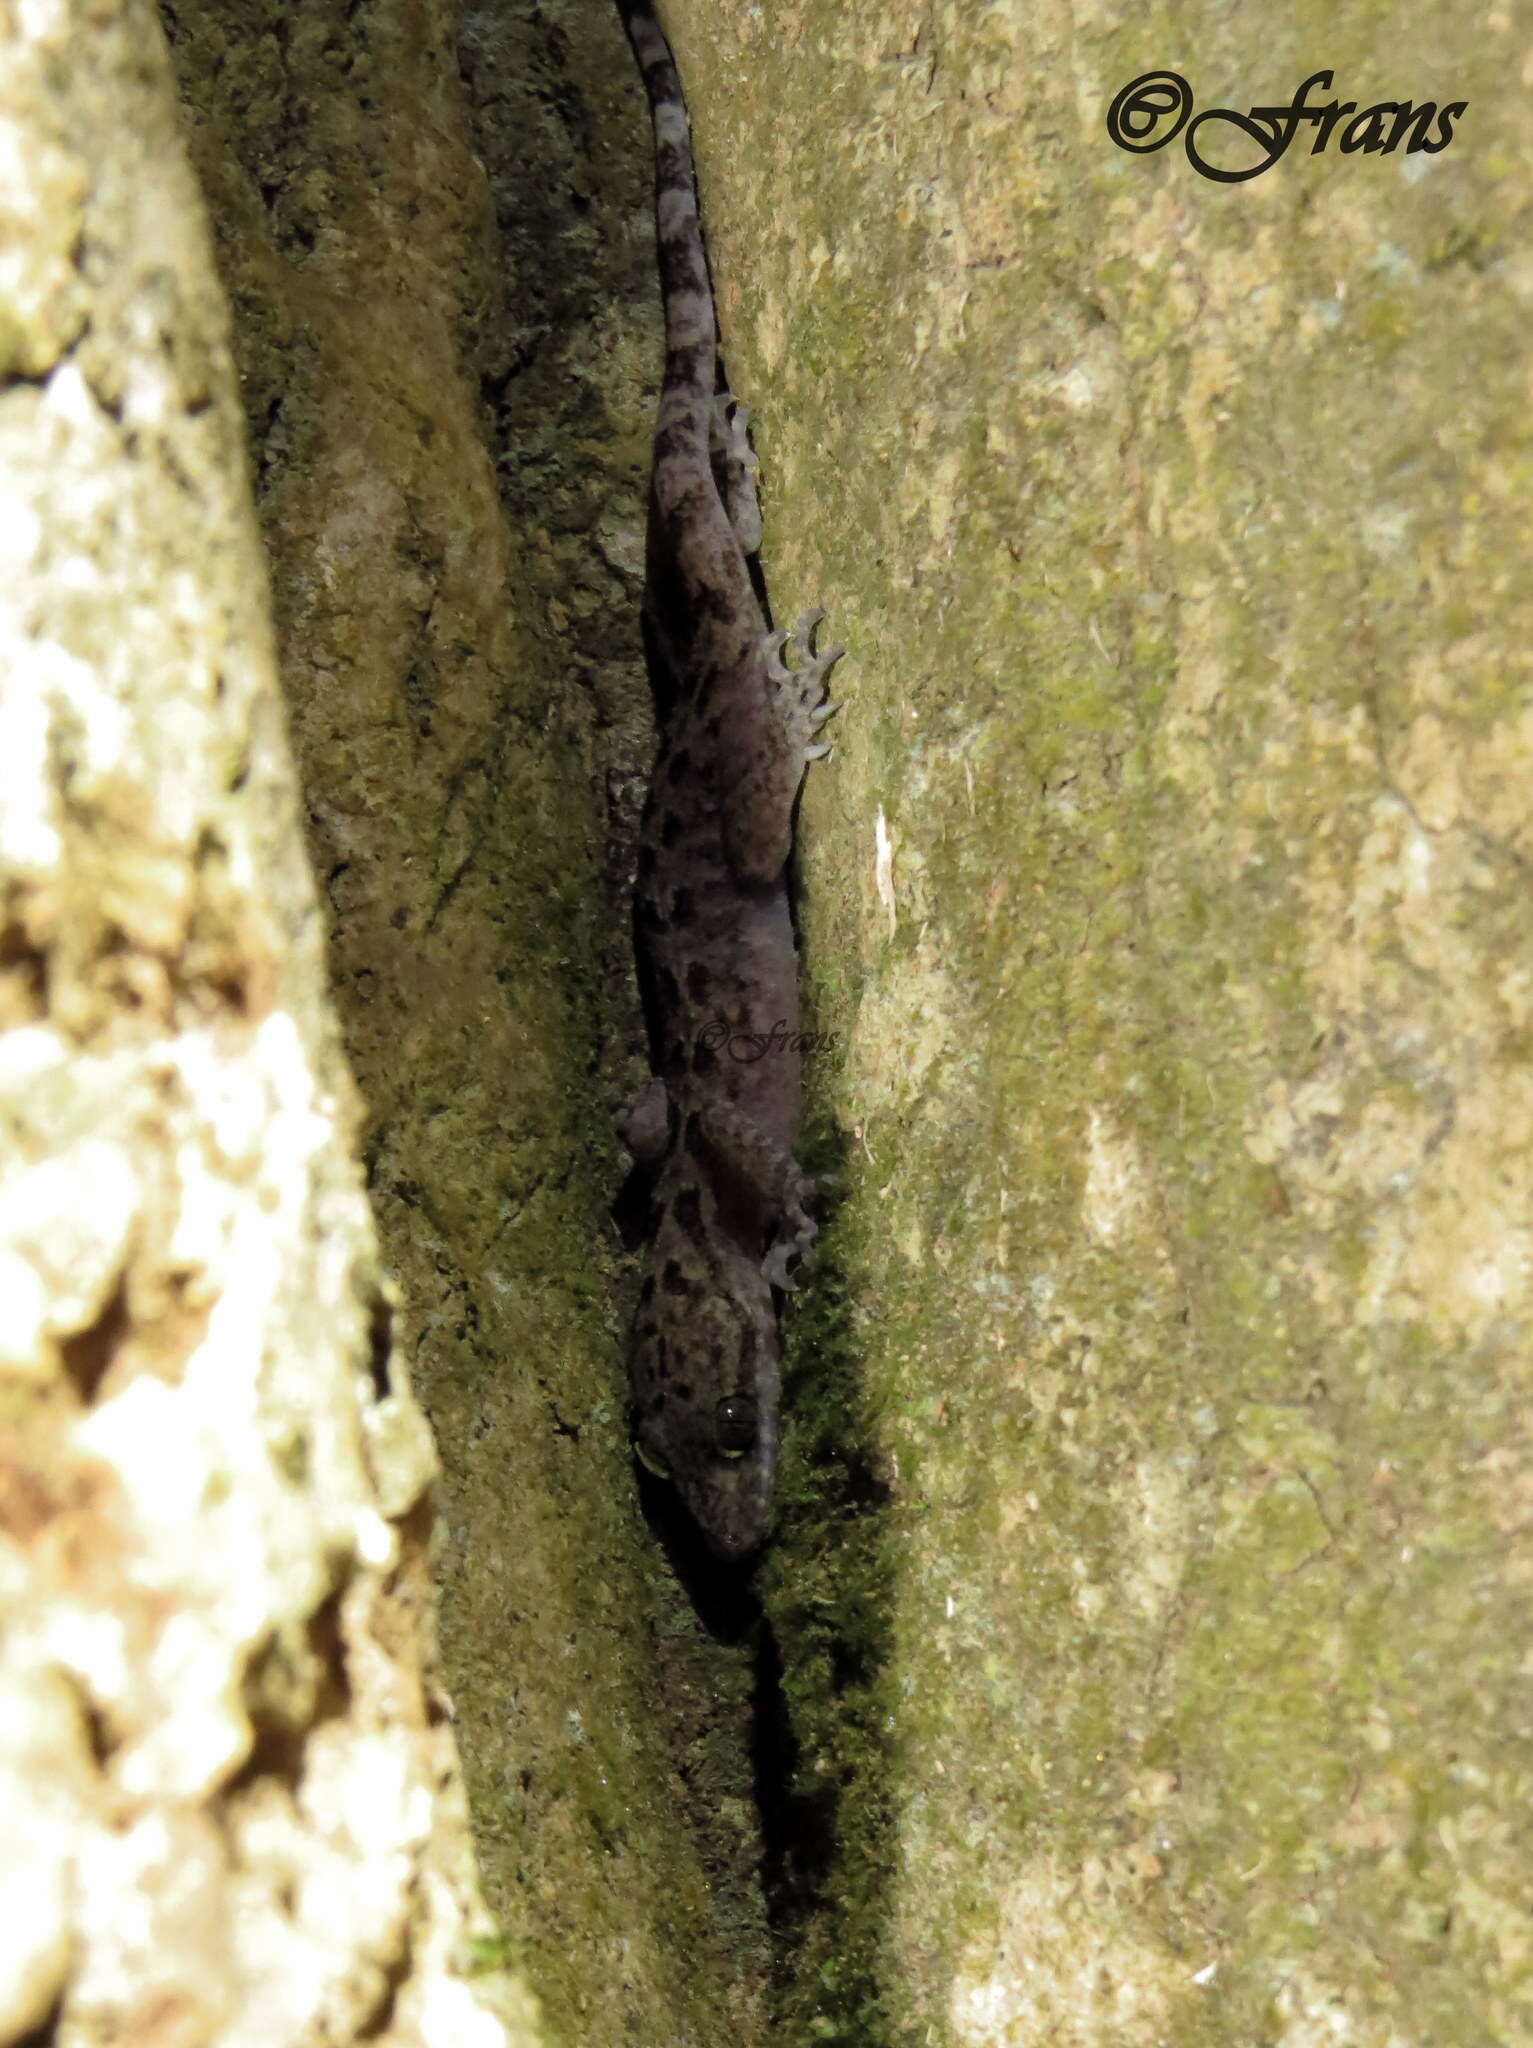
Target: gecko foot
(644, 1124)
(787, 1250)
(801, 689)
(796, 1234)
(731, 417)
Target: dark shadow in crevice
(47, 2030)
(822, 1762)
(798, 1829)
(723, 1596)
(88, 1353)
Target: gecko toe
(772, 645)
(799, 1233)
(803, 630)
(774, 1268)
(732, 421)
(816, 670)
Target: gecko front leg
(771, 1176)
(758, 806)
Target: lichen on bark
(1167, 897)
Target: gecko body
(718, 960)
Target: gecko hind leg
(801, 688)
(735, 464)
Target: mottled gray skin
(717, 955)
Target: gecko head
(706, 1373)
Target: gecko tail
(706, 548)
(691, 336)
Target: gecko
(713, 1131)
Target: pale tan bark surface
(229, 1802)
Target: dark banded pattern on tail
(702, 544)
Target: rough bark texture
(1169, 893)
(228, 1793)
(436, 237)
(1147, 1658)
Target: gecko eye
(734, 1425)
